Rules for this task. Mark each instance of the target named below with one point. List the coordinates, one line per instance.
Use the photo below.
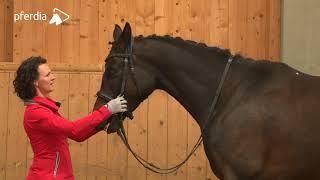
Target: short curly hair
(26, 74)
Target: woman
(46, 128)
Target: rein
(127, 58)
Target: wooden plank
(69, 32)
(9, 30)
(53, 37)
(178, 19)
(16, 138)
(28, 36)
(89, 25)
(105, 28)
(138, 139)
(145, 17)
(128, 15)
(3, 27)
(4, 90)
(177, 138)
(17, 34)
(197, 166)
(218, 22)
(116, 157)
(98, 144)
(273, 31)
(238, 26)
(256, 32)
(157, 132)
(161, 23)
(6, 20)
(38, 29)
(186, 27)
(199, 21)
(76, 31)
(78, 108)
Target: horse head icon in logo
(56, 18)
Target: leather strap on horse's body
(156, 169)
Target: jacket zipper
(56, 164)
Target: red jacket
(48, 132)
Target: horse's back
(271, 131)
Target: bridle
(128, 62)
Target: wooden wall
(163, 132)
(6, 30)
(251, 27)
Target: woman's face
(45, 82)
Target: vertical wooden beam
(78, 108)
(105, 29)
(177, 138)
(218, 23)
(4, 93)
(16, 138)
(28, 28)
(9, 30)
(98, 144)
(53, 37)
(3, 37)
(69, 33)
(256, 32)
(17, 33)
(158, 132)
(89, 25)
(6, 30)
(39, 29)
(273, 31)
(238, 26)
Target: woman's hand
(117, 105)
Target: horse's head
(124, 75)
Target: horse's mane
(192, 45)
(188, 44)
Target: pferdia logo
(57, 17)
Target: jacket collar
(47, 102)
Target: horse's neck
(191, 79)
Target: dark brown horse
(266, 124)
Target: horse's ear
(126, 34)
(116, 32)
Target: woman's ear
(36, 84)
